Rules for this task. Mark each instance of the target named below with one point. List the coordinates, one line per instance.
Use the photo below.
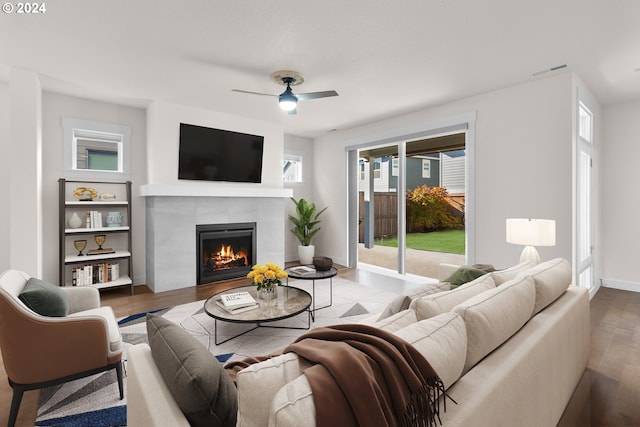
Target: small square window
(94, 149)
(292, 169)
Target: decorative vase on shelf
(114, 219)
(74, 221)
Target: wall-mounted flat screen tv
(219, 155)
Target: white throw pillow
(439, 303)
(397, 321)
(494, 316)
(257, 384)
(551, 279)
(502, 276)
(293, 405)
(402, 302)
(442, 340)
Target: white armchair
(40, 351)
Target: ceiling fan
(287, 100)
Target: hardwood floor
(607, 395)
(609, 391)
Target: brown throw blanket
(363, 376)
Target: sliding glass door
(411, 203)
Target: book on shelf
(91, 274)
(94, 219)
(237, 299)
(100, 251)
(302, 270)
(236, 310)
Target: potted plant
(305, 227)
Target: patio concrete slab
(421, 263)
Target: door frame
(463, 123)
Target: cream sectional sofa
(509, 346)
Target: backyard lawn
(449, 241)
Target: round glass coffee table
(290, 301)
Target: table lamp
(531, 232)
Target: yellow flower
(267, 275)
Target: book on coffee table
(302, 270)
(236, 310)
(237, 299)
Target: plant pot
(305, 254)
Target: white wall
(523, 165)
(621, 196)
(299, 146)
(55, 107)
(163, 128)
(4, 178)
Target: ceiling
(383, 57)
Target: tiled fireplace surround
(172, 213)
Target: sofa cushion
(44, 298)
(463, 275)
(197, 381)
(493, 316)
(442, 340)
(293, 405)
(257, 384)
(435, 304)
(551, 278)
(502, 276)
(402, 302)
(397, 321)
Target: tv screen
(219, 155)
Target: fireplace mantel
(172, 190)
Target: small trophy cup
(100, 238)
(80, 245)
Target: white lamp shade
(531, 232)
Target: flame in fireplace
(226, 258)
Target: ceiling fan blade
(252, 93)
(314, 95)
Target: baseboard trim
(624, 285)
(391, 273)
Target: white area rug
(351, 302)
(94, 402)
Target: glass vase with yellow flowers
(266, 279)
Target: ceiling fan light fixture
(288, 100)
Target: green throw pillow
(198, 382)
(44, 298)
(463, 275)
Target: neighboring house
(440, 169)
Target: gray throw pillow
(44, 298)
(198, 382)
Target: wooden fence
(386, 213)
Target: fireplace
(225, 251)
